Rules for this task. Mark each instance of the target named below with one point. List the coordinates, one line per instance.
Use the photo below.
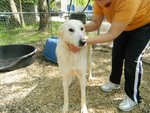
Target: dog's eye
(82, 28)
(71, 30)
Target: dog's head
(73, 32)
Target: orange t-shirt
(134, 12)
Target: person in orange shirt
(130, 33)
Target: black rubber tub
(16, 56)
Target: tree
(15, 14)
(21, 15)
(43, 10)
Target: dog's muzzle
(82, 42)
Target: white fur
(73, 64)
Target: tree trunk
(21, 15)
(15, 14)
(43, 10)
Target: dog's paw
(65, 109)
(84, 109)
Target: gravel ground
(38, 88)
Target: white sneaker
(108, 87)
(127, 104)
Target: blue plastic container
(49, 51)
(89, 7)
(71, 9)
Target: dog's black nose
(82, 42)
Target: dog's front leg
(89, 64)
(82, 79)
(66, 80)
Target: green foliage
(83, 2)
(30, 1)
(53, 4)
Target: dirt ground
(38, 88)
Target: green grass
(29, 34)
(26, 35)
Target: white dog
(73, 64)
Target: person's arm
(115, 30)
(94, 24)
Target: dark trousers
(127, 52)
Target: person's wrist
(87, 41)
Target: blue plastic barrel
(49, 51)
(72, 8)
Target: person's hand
(73, 48)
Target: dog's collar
(67, 43)
(70, 46)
